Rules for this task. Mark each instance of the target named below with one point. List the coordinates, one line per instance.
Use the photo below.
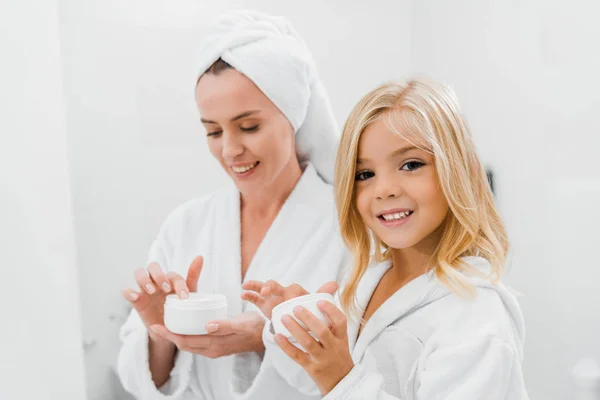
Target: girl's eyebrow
(398, 152)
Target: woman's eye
(250, 128)
(364, 175)
(215, 133)
(412, 165)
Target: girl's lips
(394, 222)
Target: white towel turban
(270, 53)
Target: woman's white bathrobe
(426, 343)
(302, 245)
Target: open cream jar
(308, 301)
(190, 316)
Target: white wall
(527, 75)
(40, 338)
(137, 147)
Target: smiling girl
(428, 317)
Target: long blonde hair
(427, 115)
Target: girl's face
(398, 195)
(252, 140)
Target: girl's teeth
(243, 169)
(396, 216)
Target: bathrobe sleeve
(133, 362)
(485, 368)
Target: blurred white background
(100, 140)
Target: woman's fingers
(179, 285)
(315, 325)
(194, 273)
(130, 295)
(338, 319)
(292, 351)
(309, 344)
(159, 278)
(143, 280)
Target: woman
(270, 126)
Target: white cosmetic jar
(308, 301)
(190, 316)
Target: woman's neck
(267, 201)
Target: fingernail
(277, 338)
(166, 287)
(183, 294)
(321, 303)
(150, 288)
(211, 328)
(153, 329)
(298, 309)
(286, 319)
(133, 296)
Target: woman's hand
(268, 295)
(327, 360)
(240, 334)
(154, 286)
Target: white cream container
(190, 316)
(308, 301)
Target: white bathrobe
(302, 245)
(426, 343)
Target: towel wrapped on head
(270, 53)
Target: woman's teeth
(396, 216)
(244, 168)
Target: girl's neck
(267, 201)
(412, 262)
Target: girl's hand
(154, 286)
(327, 360)
(266, 296)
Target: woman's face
(398, 193)
(252, 140)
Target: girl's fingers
(254, 286)
(194, 273)
(179, 285)
(159, 278)
(315, 325)
(329, 287)
(309, 344)
(292, 351)
(271, 288)
(254, 298)
(338, 319)
(143, 280)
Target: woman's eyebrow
(240, 116)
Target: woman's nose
(232, 147)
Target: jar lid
(197, 300)
(288, 305)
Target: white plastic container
(190, 316)
(308, 301)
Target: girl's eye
(215, 133)
(364, 175)
(412, 165)
(250, 129)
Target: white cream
(190, 316)
(308, 301)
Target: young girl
(428, 316)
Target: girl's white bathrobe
(426, 343)
(302, 245)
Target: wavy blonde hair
(427, 115)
